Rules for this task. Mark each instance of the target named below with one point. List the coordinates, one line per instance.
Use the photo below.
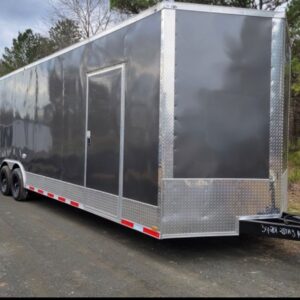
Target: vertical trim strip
(122, 134)
(277, 110)
(288, 57)
(86, 126)
(166, 107)
(168, 91)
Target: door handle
(88, 137)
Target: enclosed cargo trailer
(173, 123)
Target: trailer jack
(285, 227)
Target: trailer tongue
(286, 227)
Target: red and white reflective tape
(54, 196)
(124, 222)
(141, 228)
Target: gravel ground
(49, 249)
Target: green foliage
(135, 6)
(294, 175)
(27, 48)
(294, 162)
(296, 75)
(64, 33)
(294, 167)
(132, 6)
(294, 158)
(234, 3)
(2, 70)
(293, 15)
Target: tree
(132, 6)
(135, 6)
(92, 16)
(293, 15)
(27, 48)
(64, 33)
(2, 70)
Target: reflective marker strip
(127, 223)
(61, 199)
(75, 204)
(151, 232)
(141, 228)
(53, 196)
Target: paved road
(49, 249)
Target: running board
(286, 227)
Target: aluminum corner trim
(167, 95)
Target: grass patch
(294, 179)
(294, 165)
(294, 208)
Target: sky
(18, 15)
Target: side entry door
(105, 130)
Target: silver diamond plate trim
(277, 97)
(167, 95)
(167, 91)
(211, 206)
(94, 201)
(277, 108)
(141, 213)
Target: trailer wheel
(5, 181)
(19, 193)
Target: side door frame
(122, 126)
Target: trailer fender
(13, 164)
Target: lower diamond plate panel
(100, 201)
(211, 206)
(140, 213)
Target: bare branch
(92, 16)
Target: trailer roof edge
(150, 11)
(226, 10)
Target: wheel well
(4, 164)
(12, 165)
(15, 166)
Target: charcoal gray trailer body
(173, 123)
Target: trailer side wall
(222, 102)
(43, 109)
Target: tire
(5, 181)
(18, 191)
